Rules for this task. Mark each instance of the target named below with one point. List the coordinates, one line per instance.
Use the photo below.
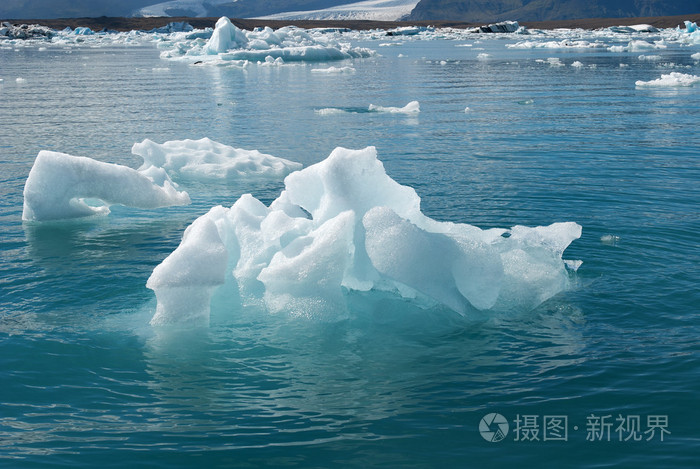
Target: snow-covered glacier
(344, 225)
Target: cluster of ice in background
(229, 44)
(344, 225)
(62, 186)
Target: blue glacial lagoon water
(85, 381)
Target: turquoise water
(86, 381)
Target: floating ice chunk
(225, 36)
(344, 224)
(609, 239)
(272, 62)
(411, 108)
(333, 70)
(690, 27)
(83, 31)
(209, 160)
(695, 56)
(577, 64)
(502, 27)
(329, 111)
(59, 186)
(21, 80)
(644, 28)
(483, 56)
(673, 79)
(649, 58)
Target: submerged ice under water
(87, 381)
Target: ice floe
(206, 159)
(411, 108)
(344, 225)
(61, 186)
(671, 80)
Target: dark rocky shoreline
(147, 24)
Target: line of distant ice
(344, 225)
(333, 70)
(639, 46)
(671, 80)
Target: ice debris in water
(673, 79)
(63, 186)
(333, 70)
(344, 225)
(229, 44)
(206, 159)
(411, 108)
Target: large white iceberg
(206, 159)
(63, 186)
(341, 225)
(230, 44)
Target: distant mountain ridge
(546, 10)
(47, 9)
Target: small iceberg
(206, 159)
(411, 108)
(671, 80)
(62, 186)
(502, 27)
(344, 225)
